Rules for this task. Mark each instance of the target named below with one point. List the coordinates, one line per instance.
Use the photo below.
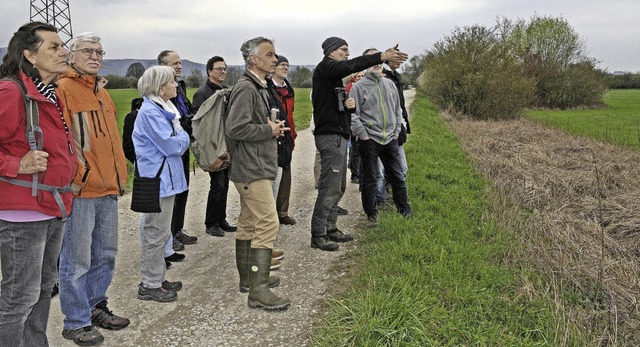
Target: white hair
(155, 78)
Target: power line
(56, 13)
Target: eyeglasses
(219, 69)
(89, 52)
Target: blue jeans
(87, 258)
(370, 152)
(332, 183)
(28, 255)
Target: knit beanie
(282, 59)
(331, 44)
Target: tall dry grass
(574, 203)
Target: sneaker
(277, 254)
(185, 238)
(228, 227)
(215, 231)
(167, 264)
(177, 245)
(175, 286)
(342, 211)
(336, 235)
(175, 257)
(323, 243)
(373, 218)
(286, 220)
(275, 264)
(156, 294)
(102, 317)
(86, 336)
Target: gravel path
(210, 311)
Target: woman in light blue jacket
(159, 141)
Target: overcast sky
(198, 30)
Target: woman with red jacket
(32, 221)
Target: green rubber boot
(259, 294)
(242, 262)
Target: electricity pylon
(56, 13)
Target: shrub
(473, 72)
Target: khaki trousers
(258, 220)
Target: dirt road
(210, 311)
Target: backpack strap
(33, 133)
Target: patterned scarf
(47, 90)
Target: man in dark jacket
(182, 103)
(332, 116)
(216, 214)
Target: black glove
(402, 136)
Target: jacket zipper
(384, 114)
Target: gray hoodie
(378, 114)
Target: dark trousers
(180, 203)
(284, 191)
(332, 183)
(354, 158)
(216, 212)
(370, 151)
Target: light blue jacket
(154, 139)
(378, 113)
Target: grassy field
(443, 278)
(618, 124)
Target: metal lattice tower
(54, 12)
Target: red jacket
(287, 97)
(61, 164)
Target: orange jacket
(102, 167)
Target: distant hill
(119, 66)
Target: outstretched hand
(394, 55)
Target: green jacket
(253, 149)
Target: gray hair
(155, 78)
(84, 37)
(250, 47)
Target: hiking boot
(260, 296)
(175, 257)
(174, 286)
(102, 317)
(407, 214)
(177, 245)
(156, 294)
(275, 264)
(286, 220)
(55, 290)
(167, 264)
(336, 235)
(342, 211)
(228, 227)
(86, 336)
(185, 238)
(277, 254)
(323, 243)
(215, 231)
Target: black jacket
(328, 76)
(203, 93)
(397, 80)
(127, 130)
(285, 143)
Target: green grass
(618, 123)
(443, 278)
